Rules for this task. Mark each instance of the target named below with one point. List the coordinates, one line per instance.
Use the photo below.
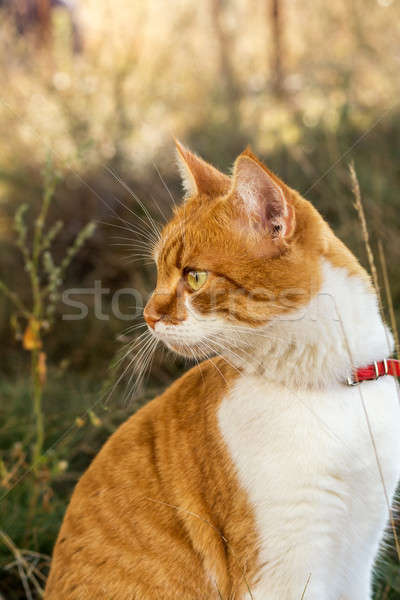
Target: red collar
(374, 371)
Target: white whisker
(151, 223)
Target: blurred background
(92, 93)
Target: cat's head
(240, 252)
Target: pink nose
(151, 315)
(151, 320)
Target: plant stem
(37, 408)
(37, 385)
(15, 299)
(389, 298)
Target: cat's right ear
(262, 197)
(198, 176)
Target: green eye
(196, 279)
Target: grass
(45, 279)
(75, 431)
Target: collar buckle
(351, 381)
(385, 364)
(377, 374)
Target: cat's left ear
(199, 177)
(263, 197)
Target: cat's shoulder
(197, 391)
(195, 395)
(208, 380)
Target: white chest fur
(300, 440)
(307, 462)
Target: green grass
(77, 425)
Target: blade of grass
(389, 298)
(306, 586)
(372, 438)
(358, 205)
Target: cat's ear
(263, 196)
(199, 177)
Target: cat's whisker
(165, 185)
(142, 226)
(253, 331)
(143, 367)
(131, 229)
(144, 260)
(141, 356)
(119, 378)
(197, 362)
(137, 254)
(159, 208)
(148, 338)
(228, 348)
(132, 345)
(223, 354)
(130, 239)
(130, 259)
(131, 328)
(226, 345)
(148, 366)
(128, 352)
(129, 248)
(129, 347)
(151, 223)
(138, 234)
(138, 356)
(173, 200)
(133, 243)
(218, 370)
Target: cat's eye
(196, 279)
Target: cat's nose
(151, 319)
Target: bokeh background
(91, 96)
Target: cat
(260, 474)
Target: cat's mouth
(187, 349)
(185, 344)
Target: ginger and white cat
(260, 474)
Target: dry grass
(365, 234)
(29, 565)
(389, 299)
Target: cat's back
(149, 493)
